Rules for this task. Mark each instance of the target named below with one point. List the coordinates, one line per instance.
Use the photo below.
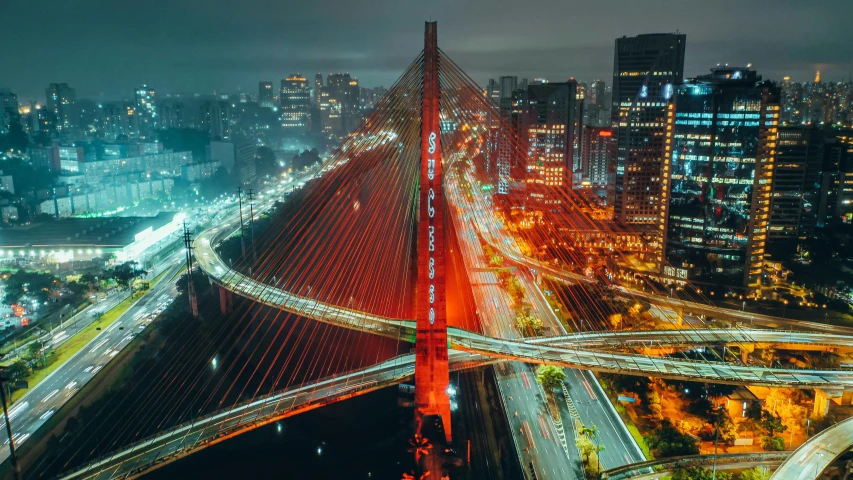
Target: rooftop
(103, 232)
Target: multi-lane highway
(43, 400)
(814, 456)
(542, 442)
(181, 440)
(510, 349)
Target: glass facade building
(723, 131)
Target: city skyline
(191, 53)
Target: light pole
(716, 439)
(13, 457)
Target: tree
(17, 371)
(550, 377)
(771, 423)
(776, 444)
(755, 473)
(589, 451)
(529, 326)
(670, 442)
(699, 473)
(126, 273)
(769, 355)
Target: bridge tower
(432, 375)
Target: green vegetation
(755, 473)
(529, 326)
(589, 446)
(699, 473)
(667, 441)
(550, 377)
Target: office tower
(146, 111)
(340, 104)
(797, 178)
(172, 114)
(547, 123)
(62, 101)
(215, 119)
(646, 71)
(723, 136)
(8, 109)
(266, 95)
(597, 147)
(596, 113)
(506, 86)
(577, 127)
(295, 100)
(493, 91)
(318, 89)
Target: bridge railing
(669, 464)
(131, 452)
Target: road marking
(529, 434)
(50, 395)
(589, 390)
(526, 381)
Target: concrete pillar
(225, 300)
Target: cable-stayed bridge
(408, 216)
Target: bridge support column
(226, 301)
(432, 374)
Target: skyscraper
(797, 177)
(318, 89)
(295, 100)
(8, 109)
(596, 113)
(597, 146)
(548, 126)
(215, 119)
(146, 111)
(171, 114)
(724, 128)
(62, 101)
(506, 86)
(340, 104)
(646, 71)
(266, 95)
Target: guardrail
(669, 464)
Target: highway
(43, 400)
(813, 457)
(181, 440)
(586, 395)
(573, 357)
(539, 439)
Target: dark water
(364, 437)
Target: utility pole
(242, 239)
(716, 439)
(188, 243)
(252, 224)
(13, 457)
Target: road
(508, 348)
(541, 441)
(814, 456)
(588, 398)
(37, 406)
(205, 431)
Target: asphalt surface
(185, 438)
(814, 456)
(43, 400)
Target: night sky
(104, 48)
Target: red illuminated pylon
(432, 376)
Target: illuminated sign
(431, 211)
